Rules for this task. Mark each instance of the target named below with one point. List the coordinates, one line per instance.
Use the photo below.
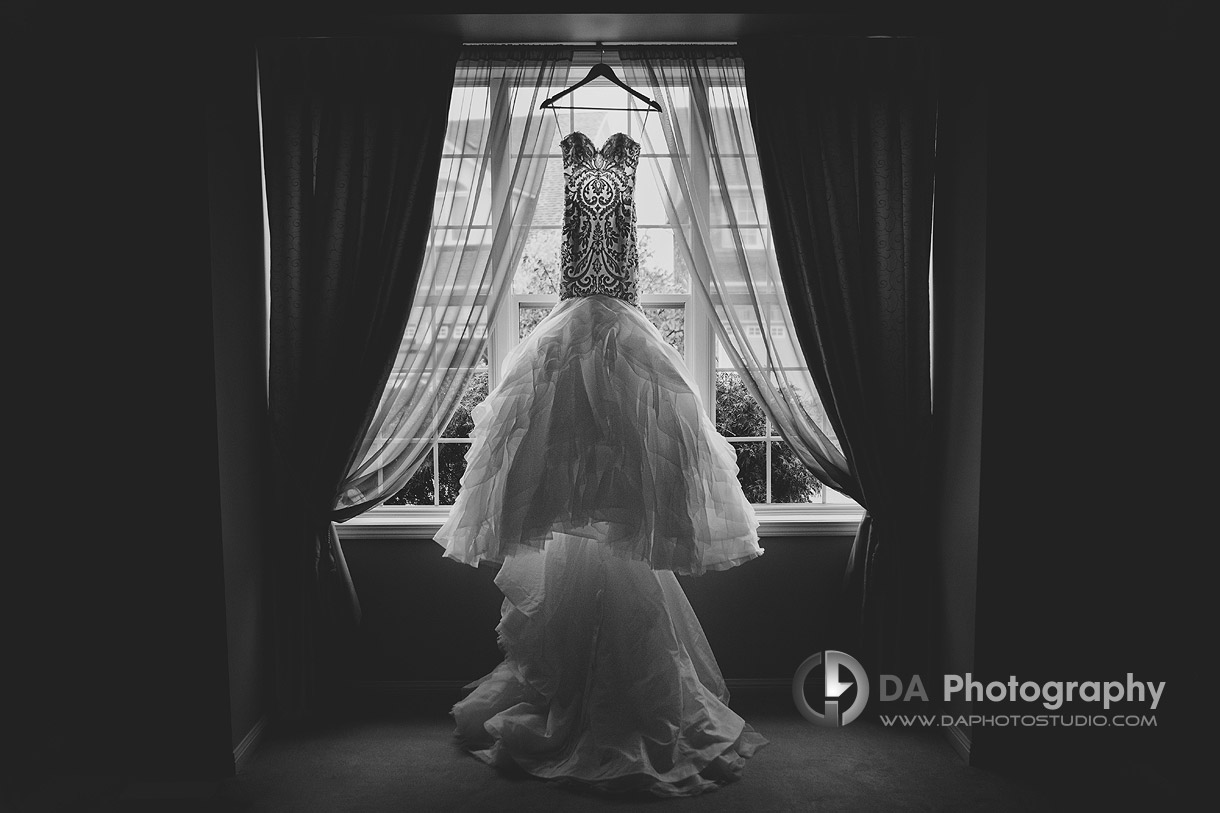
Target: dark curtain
(846, 138)
(353, 131)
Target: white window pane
(452, 460)
(525, 104)
(462, 196)
(834, 497)
(737, 413)
(791, 482)
(658, 273)
(745, 202)
(461, 422)
(468, 110)
(528, 318)
(752, 469)
(731, 117)
(598, 125)
(549, 210)
(678, 102)
(724, 253)
(784, 349)
(538, 270)
(419, 489)
(456, 263)
(649, 191)
(753, 241)
(672, 324)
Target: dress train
(607, 681)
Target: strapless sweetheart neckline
(607, 141)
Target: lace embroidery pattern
(598, 254)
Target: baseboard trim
(245, 748)
(959, 738)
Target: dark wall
(127, 668)
(765, 617)
(958, 359)
(1093, 330)
(122, 663)
(427, 618)
(239, 339)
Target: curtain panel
(497, 142)
(711, 185)
(846, 141)
(352, 138)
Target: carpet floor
(399, 755)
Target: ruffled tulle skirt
(597, 431)
(608, 681)
(594, 475)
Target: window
(770, 473)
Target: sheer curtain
(725, 240)
(496, 148)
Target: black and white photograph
(676, 405)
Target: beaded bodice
(598, 253)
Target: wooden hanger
(599, 71)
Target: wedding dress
(594, 475)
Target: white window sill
(415, 522)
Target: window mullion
(499, 338)
(768, 460)
(436, 473)
(701, 347)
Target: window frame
(700, 341)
